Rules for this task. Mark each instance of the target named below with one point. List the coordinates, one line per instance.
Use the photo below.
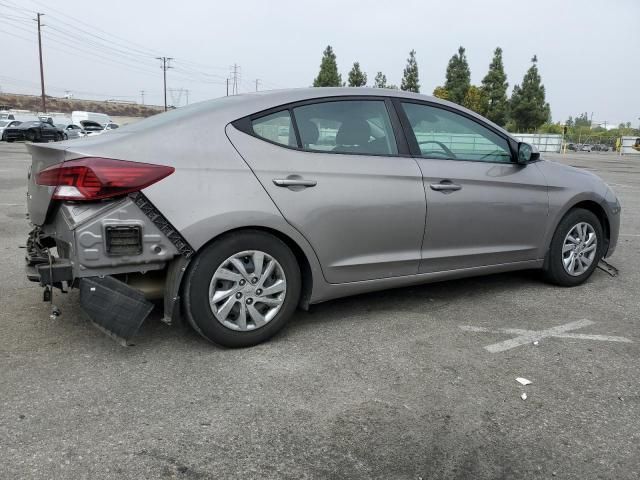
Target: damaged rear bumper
(100, 248)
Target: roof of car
(230, 108)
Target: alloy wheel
(247, 290)
(579, 249)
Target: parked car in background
(600, 147)
(33, 131)
(571, 146)
(79, 116)
(8, 124)
(586, 147)
(92, 128)
(237, 221)
(70, 131)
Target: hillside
(63, 105)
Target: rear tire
(572, 257)
(30, 136)
(216, 271)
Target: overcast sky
(587, 49)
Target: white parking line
(529, 336)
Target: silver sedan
(236, 211)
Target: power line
(100, 44)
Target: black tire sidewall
(555, 270)
(196, 293)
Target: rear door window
(346, 126)
(276, 128)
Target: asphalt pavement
(391, 385)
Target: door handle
(294, 182)
(445, 187)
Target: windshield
(30, 124)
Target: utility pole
(187, 93)
(142, 95)
(165, 66)
(257, 83)
(44, 101)
(227, 87)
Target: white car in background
(8, 124)
(92, 128)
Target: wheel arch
(591, 206)
(598, 211)
(306, 273)
(176, 276)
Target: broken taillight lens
(93, 178)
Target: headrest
(354, 131)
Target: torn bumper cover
(115, 308)
(96, 247)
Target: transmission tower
(235, 78)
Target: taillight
(95, 178)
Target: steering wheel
(441, 145)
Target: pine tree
(494, 85)
(458, 77)
(357, 78)
(528, 108)
(380, 81)
(476, 100)
(410, 80)
(328, 75)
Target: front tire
(242, 289)
(576, 248)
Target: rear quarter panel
(212, 190)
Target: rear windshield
(182, 113)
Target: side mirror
(527, 153)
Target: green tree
(410, 81)
(528, 108)
(357, 78)
(328, 75)
(569, 123)
(458, 77)
(392, 86)
(494, 85)
(380, 81)
(582, 120)
(441, 92)
(476, 100)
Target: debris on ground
(536, 343)
(608, 268)
(523, 381)
(523, 396)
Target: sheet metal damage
(120, 254)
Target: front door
(482, 208)
(343, 186)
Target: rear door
(482, 208)
(337, 173)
